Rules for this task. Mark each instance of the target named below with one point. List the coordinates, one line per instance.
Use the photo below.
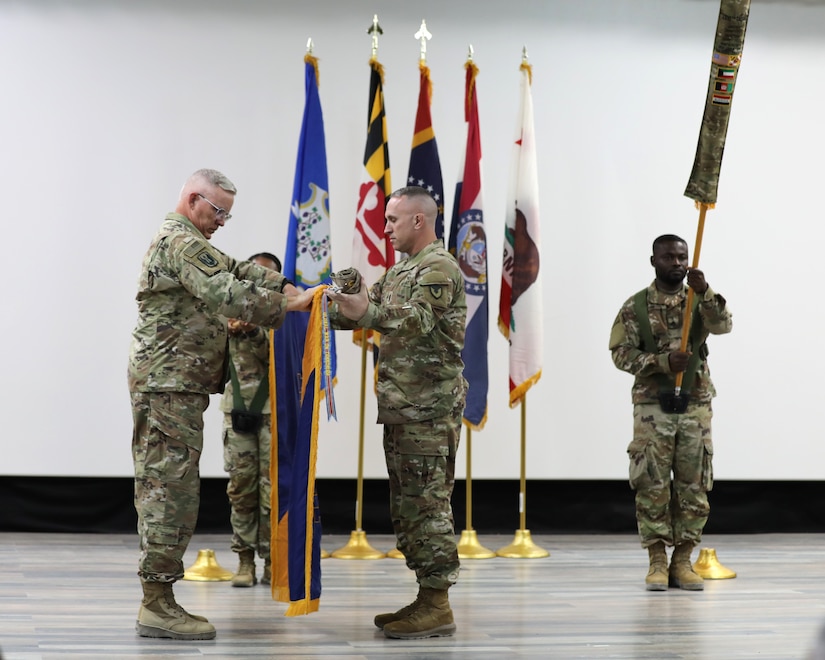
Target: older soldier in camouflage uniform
(671, 452)
(187, 290)
(419, 308)
(246, 442)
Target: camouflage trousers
(421, 467)
(671, 471)
(166, 448)
(246, 459)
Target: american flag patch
(726, 60)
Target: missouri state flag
(520, 306)
(468, 243)
(425, 167)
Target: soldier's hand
(300, 301)
(678, 361)
(696, 280)
(351, 305)
(237, 327)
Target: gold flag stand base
(325, 554)
(207, 569)
(522, 546)
(708, 566)
(358, 548)
(470, 548)
(395, 553)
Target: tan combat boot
(382, 620)
(681, 572)
(245, 577)
(432, 618)
(657, 577)
(161, 616)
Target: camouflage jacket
(249, 353)
(666, 314)
(186, 292)
(419, 307)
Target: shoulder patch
(200, 255)
(437, 285)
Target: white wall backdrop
(106, 106)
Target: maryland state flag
(298, 382)
(468, 243)
(727, 54)
(425, 167)
(520, 306)
(372, 252)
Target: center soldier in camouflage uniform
(247, 438)
(186, 292)
(419, 308)
(672, 451)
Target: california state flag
(520, 308)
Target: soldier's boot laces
(657, 577)
(170, 597)
(382, 620)
(245, 575)
(267, 576)
(681, 572)
(161, 616)
(432, 618)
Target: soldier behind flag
(247, 438)
(672, 451)
(419, 307)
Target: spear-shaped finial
(524, 57)
(470, 53)
(423, 35)
(309, 46)
(375, 30)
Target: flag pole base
(325, 554)
(207, 569)
(358, 548)
(522, 547)
(708, 566)
(395, 553)
(470, 548)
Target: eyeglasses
(220, 214)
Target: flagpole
(469, 546)
(522, 546)
(358, 547)
(728, 43)
(703, 209)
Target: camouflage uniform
(187, 290)
(246, 455)
(419, 308)
(673, 509)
